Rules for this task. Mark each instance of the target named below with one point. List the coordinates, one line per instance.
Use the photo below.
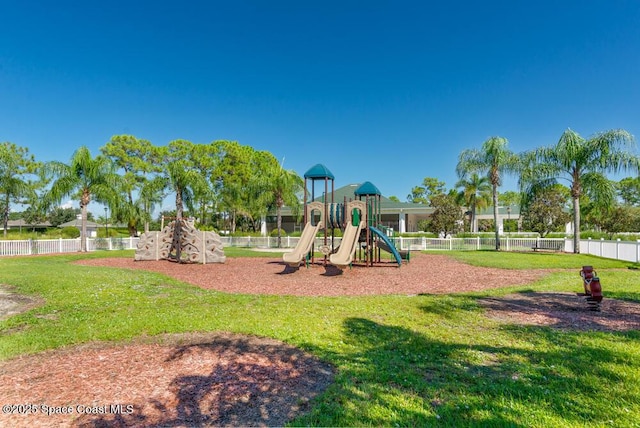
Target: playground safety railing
(269, 241)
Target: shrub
(205, 227)
(70, 232)
(274, 233)
(240, 233)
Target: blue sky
(382, 91)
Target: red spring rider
(592, 287)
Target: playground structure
(359, 219)
(180, 241)
(592, 287)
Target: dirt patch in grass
(173, 380)
(12, 303)
(566, 311)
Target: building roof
(78, 223)
(513, 210)
(22, 223)
(387, 206)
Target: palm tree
(15, 163)
(475, 194)
(281, 187)
(493, 159)
(84, 177)
(582, 163)
(151, 194)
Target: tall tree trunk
(146, 222)
(5, 216)
(84, 204)
(495, 216)
(576, 225)
(473, 227)
(279, 224)
(233, 221)
(83, 228)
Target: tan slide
(305, 243)
(304, 246)
(350, 236)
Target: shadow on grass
(394, 376)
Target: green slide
(386, 244)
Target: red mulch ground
(427, 273)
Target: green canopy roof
(367, 188)
(319, 171)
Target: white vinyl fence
(622, 250)
(414, 244)
(50, 246)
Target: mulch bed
(426, 274)
(179, 380)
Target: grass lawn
(401, 360)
